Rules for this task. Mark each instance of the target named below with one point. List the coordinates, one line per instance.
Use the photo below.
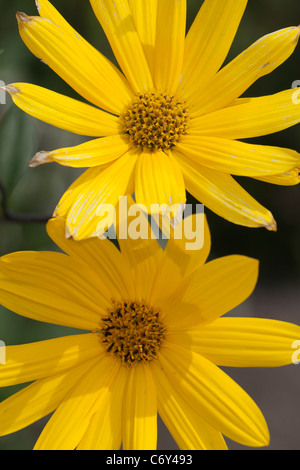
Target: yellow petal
(213, 290)
(144, 17)
(215, 396)
(37, 400)
(70, 421)
(234, 79)
(105, 429)
(220, 193)
(62, 111)
(169, 44)
(256, 117)
(188, 429)
(140, 410)
(180, 248)
(28, 362)
(245, 342)
(158, 182)
(52, 287)
(89, 203)
(208, 42)
(179, 260)
(168, 285)
(289, 178)
(85, 69)
(138, 246)
(101, 256)
(238, 158)
(118, 24)
(96, 152)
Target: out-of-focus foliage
(36, 191)
(15, 153)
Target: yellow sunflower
(169, 122)
(153, 341)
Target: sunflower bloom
(172, 119)
(153, 341)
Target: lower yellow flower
(155, 341)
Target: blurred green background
(35, 192)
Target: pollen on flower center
(132, 331)
(155, 120)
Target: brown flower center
(155, 121)
(132, 331)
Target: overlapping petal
(144, 17)
(52, 287)
(85, 69)
(140, 410)
(159, 181)
(169, 44)
(71, 419)
(234, 79)
(213, 290)
(220, 193)
(139, 247)
(208, 42)
(187, 427)
(219, 400)
(102, 257)
(105, 431)
(182, 256)
(89, 203)
(37, 400)
(189, 246)
(117, 22)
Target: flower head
(154, 338)
(172, 119)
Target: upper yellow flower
(153, 342)
(172, 118)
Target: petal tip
(37, 4)
(265, 438)
(12, 90)
(272, 226)
(22, 17)
(39, 159)
(67, 233)
(297, 28)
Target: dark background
(37, 191)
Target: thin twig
(8, 216)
